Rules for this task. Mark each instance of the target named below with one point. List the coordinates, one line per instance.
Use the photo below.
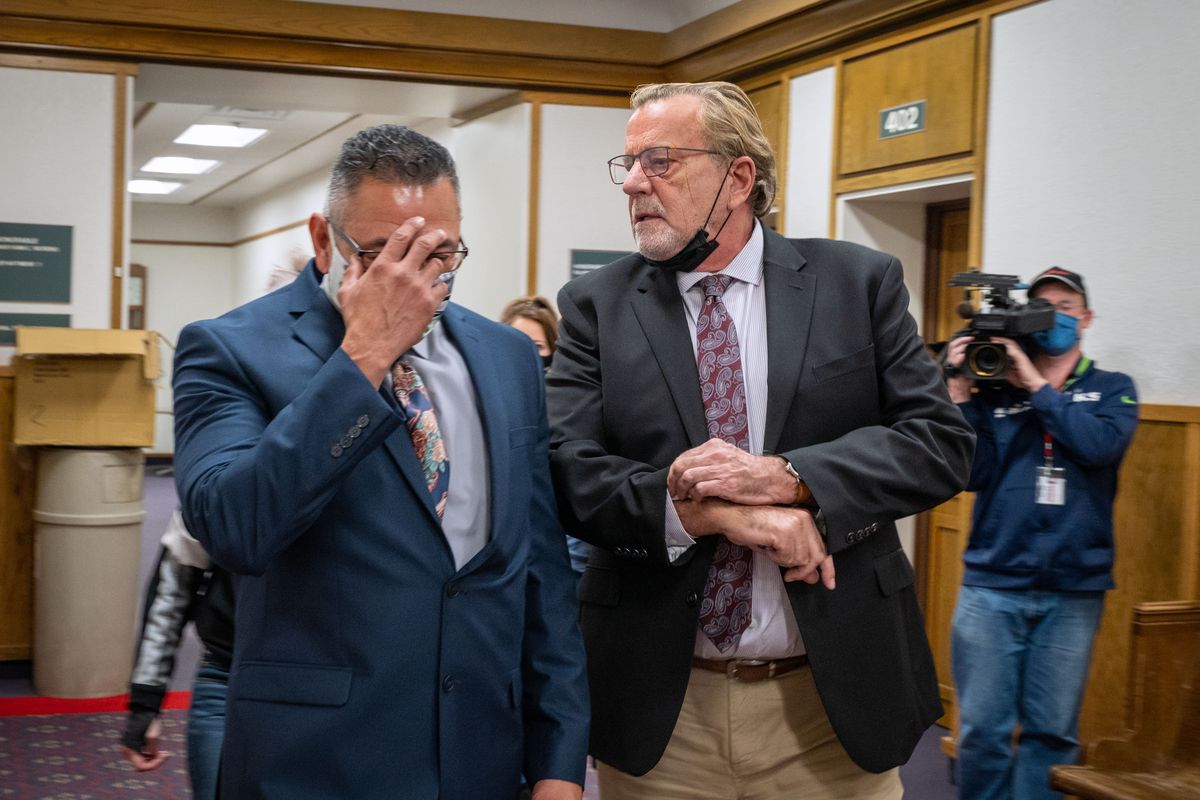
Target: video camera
(998, 314)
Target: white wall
(1092, 164)
(492, 156)
(897, 228)
(579, 207)
(254, 261)
(175, 223)
(56, 156)
(809, 154)
(183, 284)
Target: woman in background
(536, 318)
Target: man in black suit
(737, 421)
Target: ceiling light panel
(220, 135)
(140, 186)
(178, 165)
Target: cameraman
(1039, 559)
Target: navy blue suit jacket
(365, 665)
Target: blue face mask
(1061, 338)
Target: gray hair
(731, 127)
(391, 154)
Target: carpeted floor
(77, 757)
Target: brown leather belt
(751, 670)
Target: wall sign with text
(35, 262)
(587, 260)
(9, 323)
(902, 120)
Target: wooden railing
(1159, 756)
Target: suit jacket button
(452, 590)
(363, 421)
(346, 442)
(874, 527)
(692, 599)
(335, 451)
(354, 432)
(448, 684)
(642, 552)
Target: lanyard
(1047, 450)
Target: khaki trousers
(768, 740)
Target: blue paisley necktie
(422, 426)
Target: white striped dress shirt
(772, 632)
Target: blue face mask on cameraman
(1061, 338)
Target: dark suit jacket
(854, 403)
(365, 665)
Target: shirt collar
(746, 266)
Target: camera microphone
(965, 310)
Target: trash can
(87, 544)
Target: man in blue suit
(371, 460)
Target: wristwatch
(804, 497)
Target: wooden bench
(1159, 759)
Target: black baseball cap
(1072, 280)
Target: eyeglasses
(450, 260)
(655, 161)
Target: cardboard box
(85, 388)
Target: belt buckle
(731, 670)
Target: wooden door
(137, 297)
(942, 536)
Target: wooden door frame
(931, 295)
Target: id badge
(1051, 486)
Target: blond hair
(730, 126)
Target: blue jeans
(578, 550)
(206, 727)
(1019, 657)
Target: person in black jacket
(1040, 556)
(183, 587)
(737, 421)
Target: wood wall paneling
(942, 569)
(771, 103)
(938, 69)
(1151, 543)
(743, 41)
(16, 534)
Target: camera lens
(986, 360)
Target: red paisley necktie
(725, 611)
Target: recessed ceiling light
(177, 165)
(153, 187)
(220, 135)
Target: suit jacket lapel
(790, 295)
(320, 328)
(318, 324)
(659, 310)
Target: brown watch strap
(804, 496)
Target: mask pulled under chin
(691, 256)
(1061, 338)
(700, 247)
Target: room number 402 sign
(901, 120)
